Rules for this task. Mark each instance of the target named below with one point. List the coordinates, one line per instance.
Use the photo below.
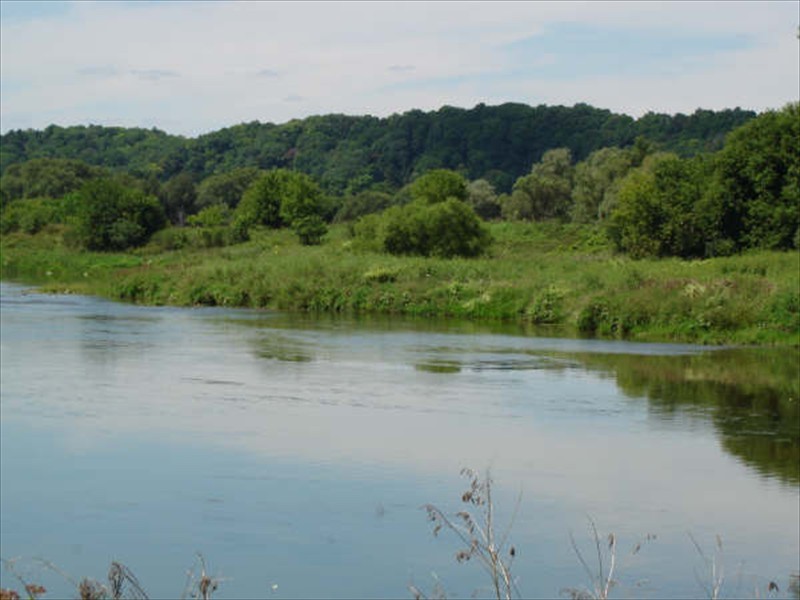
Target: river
(294, 453)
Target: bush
(114, 217)
(281, 197)
(446, 229)
(215, 215)
(438, 185)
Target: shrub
(446, 229)
(114, 217)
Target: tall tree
(179, 196)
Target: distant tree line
(706, 196)
(348, 154)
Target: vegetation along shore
(658, 229)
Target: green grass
(548, 274)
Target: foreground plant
(121, 584)
(476, 530)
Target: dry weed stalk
(33, 590)
(478, 535)
(202, 587)
(603, 580)
(122, 584)
(716, 569)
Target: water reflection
(264, 439)
(750, 395)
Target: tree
(546, 192)
(282, 197)
(179, 196)
(445, 229)
(112, 216)
(438, 185)
(659, 212)
(45, 178)
(261, 202)
(483, 199)
(595, 181)
(226, 188)
(758, 181)
(362, 203)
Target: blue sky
(192, 67)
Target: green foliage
(758, 185)
(657, 211)
(138, 151)
(546, 192)
(745, 196)
(309, 229)
(281, 197)
(349, 154)
(261, 202)
(596, 182)
(482, 198)
(438, 185)
(226, 188)
(214, 215)
(539, 272)
(363, 203)
(45, 178)
(445, 229)
(28, 216)
(179, 196)
(114, 217)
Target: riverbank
(546, 274)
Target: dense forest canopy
(709, 184)
(348, 154)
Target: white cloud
(195, 67)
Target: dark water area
(295, 452)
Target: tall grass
(556, 275)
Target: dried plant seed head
(512, 552)
(35, 590)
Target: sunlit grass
(542, 274)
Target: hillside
(349, 153)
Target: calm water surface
(295, 453)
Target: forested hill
(347, 153)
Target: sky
(193, 67)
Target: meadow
(554, 278)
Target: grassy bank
(543, 274)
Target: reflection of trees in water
(752, 397)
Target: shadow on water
(752, 396)
(282, 348)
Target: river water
(294, 453)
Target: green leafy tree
(757, 184)
(261, 202)
(363, 203)
(111, 216)
(657, 212)
(596, 181)
(438, 185)
(179, 196)
(482, 197)
(445, 229)
(282, 197)
(546, 192)
(226, 188)
(45, 178)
